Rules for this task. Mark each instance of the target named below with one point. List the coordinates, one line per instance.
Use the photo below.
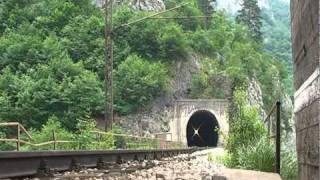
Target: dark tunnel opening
(202, 130)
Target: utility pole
(108, 75)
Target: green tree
(191, 9)
(46, 134)
(61, 88)
(207, 8)
(250, 16)
(52, 57)
(26, 48)
(85, 43)
(137, 82)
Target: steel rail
(39, 163)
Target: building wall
(184, 109)
(305, 44)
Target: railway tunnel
(202, 129)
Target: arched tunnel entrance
(202, 129)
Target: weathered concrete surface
(305, 42)
(238, 174)
(184, 109)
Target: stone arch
(185, 108)
(201, 129)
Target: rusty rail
(276, 108)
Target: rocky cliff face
(148, 5)
(255, 97)
(144, 5)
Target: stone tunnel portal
(202, 129)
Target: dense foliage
(49, 66)
(60, 88)
(52, 66)
(259, 155)
(249, 146)
(144, 81)
(277, 36)
(52, 58)
(245, 126)
(231, 52)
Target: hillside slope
(52, 69)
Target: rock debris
(181, 167)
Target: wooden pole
(278, 138)
(268, 127)
(18, 137)
(108, 65)
(54, 140)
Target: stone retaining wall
(305, 43)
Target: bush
(204, 85)
(191, 9)
(89, 140)
(119, 141)
(61, 88)
(289, 161)
(85, 43)
(137, 82)
(261, 156)
(246, 130)
(46, 134)
(246, 127)
(201, 43)
(248, 146)
(257, 156)
(20, 52)
(6, 146)
(149, 39)
(173, 42)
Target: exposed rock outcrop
(255, 97)
(144, 5)
(148, 5)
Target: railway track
(44, 163)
